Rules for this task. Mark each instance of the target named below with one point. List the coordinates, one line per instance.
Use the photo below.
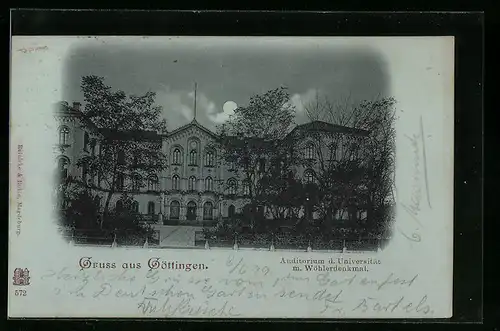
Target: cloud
(300, 101)
(178, 108)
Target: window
(209, 159)
(309, 176)
(64, 135)
(193, 157)
(309, 152)
(92, 150)
(135, 207)
(191, 211)
(176, 159)
(192, 183)
(86, 140)
(175, 209)
(231, 211)
(333, 152)
(208, 211)
(151, 207)
(262, 165)
(246, 188)
(136, 182)
(119, 182)
(209, 184)
(119, 206)
(231, 186)
(232, 164)
(135, 160)
(62, 166)
(353, 152)
(153, 183)
(175, 182)
(121, 157)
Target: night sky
(229, 70)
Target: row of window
(193, 158)
(208, 210)
(153, 182)
(310, 152)
(175, 208)
(64, 133)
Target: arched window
(262, 165)
(231, 211)
(120, 182)
(64, 135)
(151, 207)
(121, 157)
(192, 183)
(193, 157)
(309, 152)
(135, 207)
(333, 152)
(119, 206)
(175, 210)
(176, 157)
(175, 182)
(135, 159)
(191, 211)
(246, 188)
(309, 176)
(231, 186)
(62, 166)
(136, 182)
(353, 152)
(86, 140)
(209, 184)
(153, 183)
(209, 159)
(208, 211)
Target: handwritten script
(241, 289)
(419, 185)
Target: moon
(229, 107)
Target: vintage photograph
(231, 177)
(234, 143)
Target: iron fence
(289, 242)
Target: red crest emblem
(21, 277)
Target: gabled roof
(328, 127)
(194, 123)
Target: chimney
(76, 105)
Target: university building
(195, 188)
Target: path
(177, 236)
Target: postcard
(231, 177)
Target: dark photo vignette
(468, 92)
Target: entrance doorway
(191, 211)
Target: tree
(354, 156)
(78, 206)
(253, 137)
(128, 129)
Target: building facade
(196, 187)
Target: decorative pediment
(191, 129)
